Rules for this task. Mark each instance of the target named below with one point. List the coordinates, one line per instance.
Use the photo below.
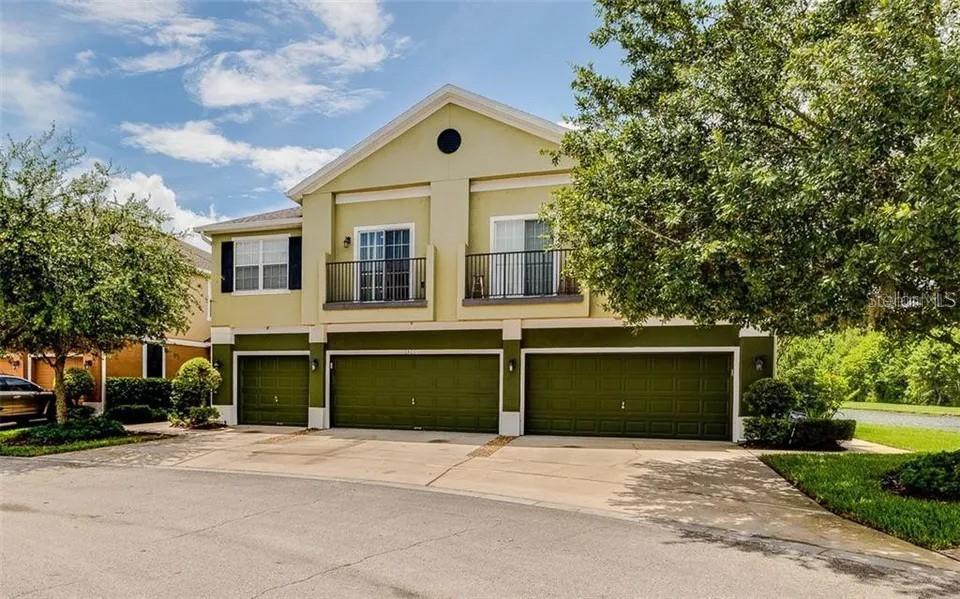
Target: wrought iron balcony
(516, 275)
(372, 282)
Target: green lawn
(29, 451)
(849, 485)
(902, 407)
(908, 437)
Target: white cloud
(362, 19)
(123, 12)
(161, 60)
(82, 67)
(199, 141)
(37, 103)
(179, 38)
(14, 39)
(162, 198)
(309, 73)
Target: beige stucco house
(414, 286)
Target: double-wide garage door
(681, 395)
(428, 392)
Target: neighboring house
(137, 359)
(412, 289)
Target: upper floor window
(261, 264)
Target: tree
(80, 271)
(792, 165)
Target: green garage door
(273, 389)
(630, 395)
(442, 393)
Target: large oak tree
(81, 271)
(792, 165)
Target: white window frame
(373, 228)
(523, 217)
(260, 290)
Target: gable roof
(287, 217)
(448, 94)
(202, 259)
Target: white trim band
(520, 182)
(396, 193)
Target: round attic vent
(448, 141)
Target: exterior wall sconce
(759, 363)
(511, 365)
(15, 362)
(314, 364)
(88, 363)
(347, 241)
(217, 364)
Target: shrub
(768, 432)
(129, 391)
(811, 433)
(69, 432)
(80, 413)
(136, 414)
(197, 417)
(933, 374)
(77, 383)
(821, 433)
(929, 475)
(194, 383)
(771, 398)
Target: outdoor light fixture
(314, 364)
(88, 364)
(217, 364)
(347, 241)
(511, 365)
(759, 362)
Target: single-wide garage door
(681, 395)
(273, 389)
(421, 392)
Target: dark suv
(21, 400)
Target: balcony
(400, 282)
(534, 276)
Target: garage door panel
(459, 393)
(273, 389)
(683, 395)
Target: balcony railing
(377, 281)
(534, 273)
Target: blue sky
(220, 106)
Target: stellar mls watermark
(942, 300)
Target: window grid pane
(275, 251)
(247, 278)
(246, 253)
(274, 276)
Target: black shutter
(226, 267)
(296, 262)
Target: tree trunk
(59, 391)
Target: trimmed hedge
(929, 475)
(130, 391)
(136, 414)
(69, 432)
(812, 433)
(771, 398)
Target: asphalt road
(947, 423)
(80, 530)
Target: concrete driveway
(82, 529)
(710, 487)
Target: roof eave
(262, 225)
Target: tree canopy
(80, 270)
(792, 165)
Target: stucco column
(221, 339)
(510, 417)
(449, 220)
(317, 410)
